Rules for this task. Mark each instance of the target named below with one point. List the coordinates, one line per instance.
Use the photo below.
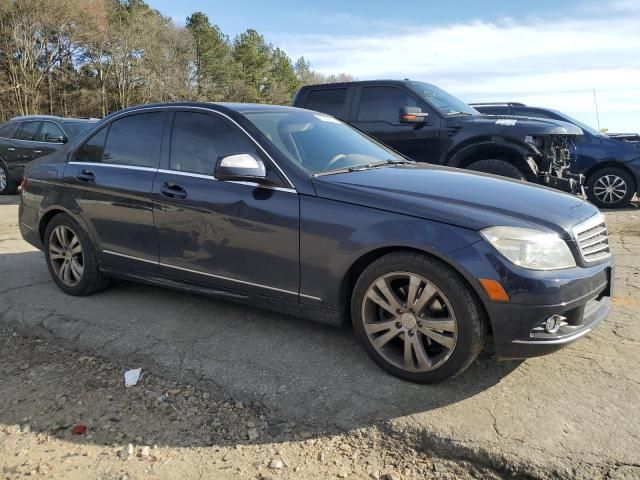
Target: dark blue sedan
(296, 211)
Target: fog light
(553, 323)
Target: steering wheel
(334, 159)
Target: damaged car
(427, 124)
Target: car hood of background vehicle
(457, 197)
(530, 126)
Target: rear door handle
(172, 190)
(37, 151)
(86, 176)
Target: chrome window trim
(186, 174)
(220, 277)
(116, 165)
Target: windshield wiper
(357, 168)
(457, 113)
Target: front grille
(592, 239)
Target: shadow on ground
(287, 367)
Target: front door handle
(86, 176)
(172, 190)
(11, 149)
(37, 151)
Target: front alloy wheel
(409, 321)
(417, 317)
(610, 188)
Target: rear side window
(382, 104)
(50, 132)
(134, 140)
(6, 130)
(28, 131)
(331, 101)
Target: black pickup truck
(427, 124)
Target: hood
(532, 126)
(457, 197)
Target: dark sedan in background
(610, 164)
(296, 211)
(23, 139)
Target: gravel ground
(74, 418)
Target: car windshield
(318, 142)
(583, 126)
(446, 103)
(74, 128)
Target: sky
(545, 53)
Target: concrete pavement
(575, 413)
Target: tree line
(92, 57)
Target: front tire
(497, 167)
(417, 318)
(71, 258)
(610, 187)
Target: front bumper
(581, 294)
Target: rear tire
(610, 187)
(71, 258)
(431, 326)
(497, 167)
(7, 185)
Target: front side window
(28, 131)
(134, 140)
(92, 150)
(199, 140)
(318, 142)
(328, 100)
(382, 104)
(50, 132)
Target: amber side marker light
(494, 290)
(409, 117)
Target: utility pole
(595, 101)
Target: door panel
(235, 235)
(112, 175)
(226, 234)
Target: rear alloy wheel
(417, 318)
(497, 167)
(71, 257)
(610, 188)
(6, 184)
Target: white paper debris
(131, 377)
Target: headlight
(530, 248)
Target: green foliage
(91, 57)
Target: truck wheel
(417, 318)
(497, 167)
(610, 187)
(7, 187)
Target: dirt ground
(75, 419)
(230, 391)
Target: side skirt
(317, 314)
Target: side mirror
(56, 139)
(241, 166)
(413, 115)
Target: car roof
(361, 82)
(220, 106)
(51, 117)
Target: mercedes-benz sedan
(296, 211)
